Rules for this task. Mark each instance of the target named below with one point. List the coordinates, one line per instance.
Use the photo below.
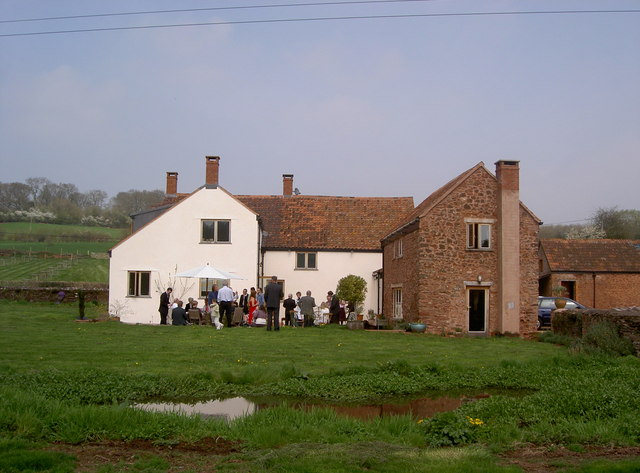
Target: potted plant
(381, 320)
(559, 292)
(418, 326)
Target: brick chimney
(172, 183)
(213, 167)
(508, 175)
(287, 185)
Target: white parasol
(208, 272)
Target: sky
(353, 107)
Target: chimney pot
(172, 183)
(287, 185)
(212, 171)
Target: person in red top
(253, 304)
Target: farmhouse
(466, 259)
(602, 274)
(309, 242)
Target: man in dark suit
(289, 305)
(164, 306)
(179, 315)
(272, 295)
(334, 308)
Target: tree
(52, 192)
(65, 211)
(93, 198)
(135, 201)
(586, 232)
(14, 196)
(36, 184)
(618, 224)
(353, 289)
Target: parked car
(546, 305)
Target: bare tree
(14, 196)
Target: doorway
(477, 305)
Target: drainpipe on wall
(260, 261)
(593, 275)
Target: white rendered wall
(332, 266)
(172, 241)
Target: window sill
(215, 242)
(305, 269)
(139, 297)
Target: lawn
(66, 386)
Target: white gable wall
(332, 266)
(173, 240)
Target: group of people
(255, 307)
(178, 312)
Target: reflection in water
(233, 408)
(228, 409)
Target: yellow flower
(473, 421)
(420, 421)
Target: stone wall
(48, 292)
(436, 269)
(627, 321)
(402, 273)
(529, 242)
(445, 263)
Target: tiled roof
(170, 200)
(592, 255)
(326, 222)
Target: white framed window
(205, 285)
(216, 231)
(478, 236)
(397, 248)
(397, 302)
(306, 260)
(139, 284)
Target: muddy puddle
(236, 407)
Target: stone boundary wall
(48, 292)
(576, 322)
(627, 320)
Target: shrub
(352, 288)
(604, 337)
(451, 428)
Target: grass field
(8, 229)
(66, 387)
(39, 268)
(76, 246)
